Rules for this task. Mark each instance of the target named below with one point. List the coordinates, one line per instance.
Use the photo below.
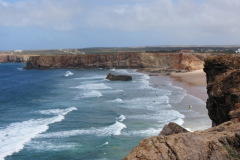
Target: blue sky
(57, 24)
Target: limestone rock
(218, 143)
(113, 77)
(173, 61)
(172, 128)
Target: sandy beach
(194, 83)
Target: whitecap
(20, 133)
(117, 100)
(50, 146)
(20, 69)
(92, 86)
(58, 111)
(91, 94)
(114, 129)
(68, 73)
(121, 118)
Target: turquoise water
(77, 114)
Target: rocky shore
(222, 141)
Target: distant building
(187, 51)
(237, 51)
(17, 51)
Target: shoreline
(197, 117)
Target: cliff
(12, 58)
(221, 142)
(123, 60)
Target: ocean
(77, 114)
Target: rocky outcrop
(113, 77)
(12, 58)
(221, 142)
(122, 60)
(223, 78)
(218, 143)
(172, 128)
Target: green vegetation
(116, 50)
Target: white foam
(144, 133)
(20, 69)
(117, 100)
(68, 73)
(50, 146)
(91, 78)
(91, 86)
(121, 118)
(16, 135)
(114, 129)
(58, 111)
(106, 143)
(91, 94)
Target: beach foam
(16, 135)
(68, 73)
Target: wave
(91, 78)
(121, 118)
(117, 100)
(50, 146)
(91, 94)
(16, 135)
(68, 73)
(143, 133)
(91, 86)
(20, 69)
(58, 111)
(114, 129)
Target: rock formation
(113, 77)
(122, 60)
(221, 142)
(12, 58)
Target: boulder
(172, 128)
(113, 77)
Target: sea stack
(113, 77)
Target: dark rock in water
(113, 77)
(172, 128)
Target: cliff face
(12, 58)
(221, 142)
(223, 77)
(123, 60)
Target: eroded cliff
(12, 58)
(221, 142)
(122, 60)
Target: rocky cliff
(222, 142)
(12, 58)
(123, 60)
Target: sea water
(77, 114)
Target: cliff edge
(13, 58)
(176, 61)
(221, 142)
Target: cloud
(54, 14)
(177, 16)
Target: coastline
(194, 84)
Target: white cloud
(54, 14)
(186, 16)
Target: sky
(61, 24)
